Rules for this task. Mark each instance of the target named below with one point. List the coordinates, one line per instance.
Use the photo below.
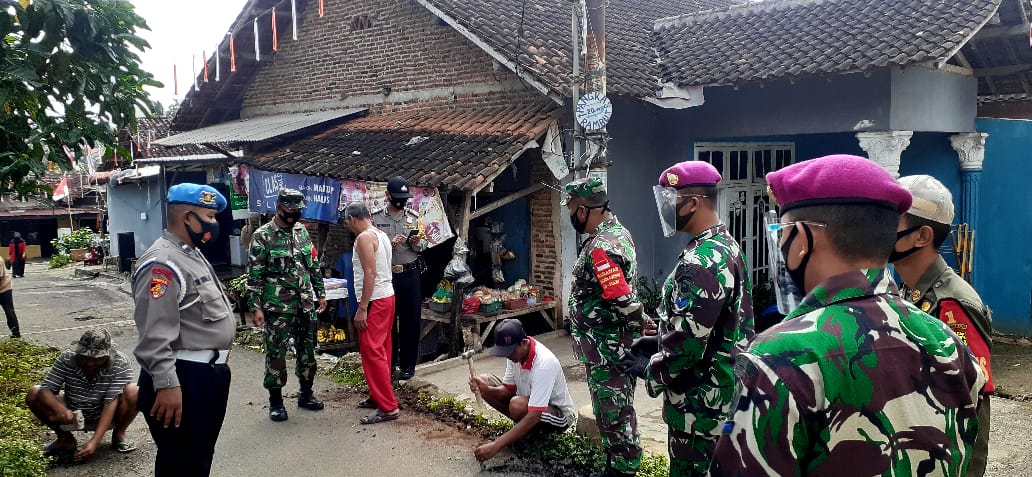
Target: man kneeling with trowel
(533, 390)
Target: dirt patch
(1012, 368)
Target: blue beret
(198, 195)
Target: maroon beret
(689, 174)
(837, 179)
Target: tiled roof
(149, 130)
(794, 38)
(80, 186)
(454, 148)
(546, 48)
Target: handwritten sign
(593, 111)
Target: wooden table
(478, 320)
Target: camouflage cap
(291, 199)
(584, 188)
(93, 344)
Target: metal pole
(578, 131)
(595, 61)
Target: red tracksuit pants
(374, 345)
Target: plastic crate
(491, 308)
(440, 307)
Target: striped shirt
(82, 394)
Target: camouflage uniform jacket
(282, 270)
(604, 310)
(855, 381)
(706, 318)
(942, 293)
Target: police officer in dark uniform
(404, 227)
(186, 328)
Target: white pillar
(885, 147)
(970, 149)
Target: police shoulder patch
(158, 284)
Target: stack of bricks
(545, 269)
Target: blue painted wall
(1003, 256)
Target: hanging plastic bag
(457, 270)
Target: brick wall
(397, 45)
(545, 268)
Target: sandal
(125, 446)
(367, 404)
(380, 416)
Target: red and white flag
(61, 191)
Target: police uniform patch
(207, 198)
(915, 295)
(925, 306)
(158, 286)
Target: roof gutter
(495, 54)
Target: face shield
(666, 205)
(785, 290)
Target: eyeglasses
(779, 229)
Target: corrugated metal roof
(256, 129)
(195, 159)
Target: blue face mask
(209, 231)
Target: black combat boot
(277, 412)
(306, 398)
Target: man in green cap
(284, 284)
(605, 317)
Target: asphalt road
(55, 308)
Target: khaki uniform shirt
(943, 294)
(180, 305)
(402, 224)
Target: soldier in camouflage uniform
(931, 285)
(606, 317)
(855, 381)
(284, 284)
(706, 318)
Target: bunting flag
(61, 191)
(257, 51)
(275, 39)
(71, 155)
(204, 59)
(114, 154)
(217, 62)
(321, 9)
(175, 79)
(193, 67)
(232, 55)
(293, 19)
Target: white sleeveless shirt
(382, 287)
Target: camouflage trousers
(612, 401)
(690, 453)
(980, 451)
(279, 329)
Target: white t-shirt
(383, 286)
(541, 379)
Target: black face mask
(682, 221)
(290, 218)
(798, 274)
(399, 204)
(576, 223)
(897, 256)
(209, 231)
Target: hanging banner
(425, 200)
(322, 194)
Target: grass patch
(22, 365)
(348, 372)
